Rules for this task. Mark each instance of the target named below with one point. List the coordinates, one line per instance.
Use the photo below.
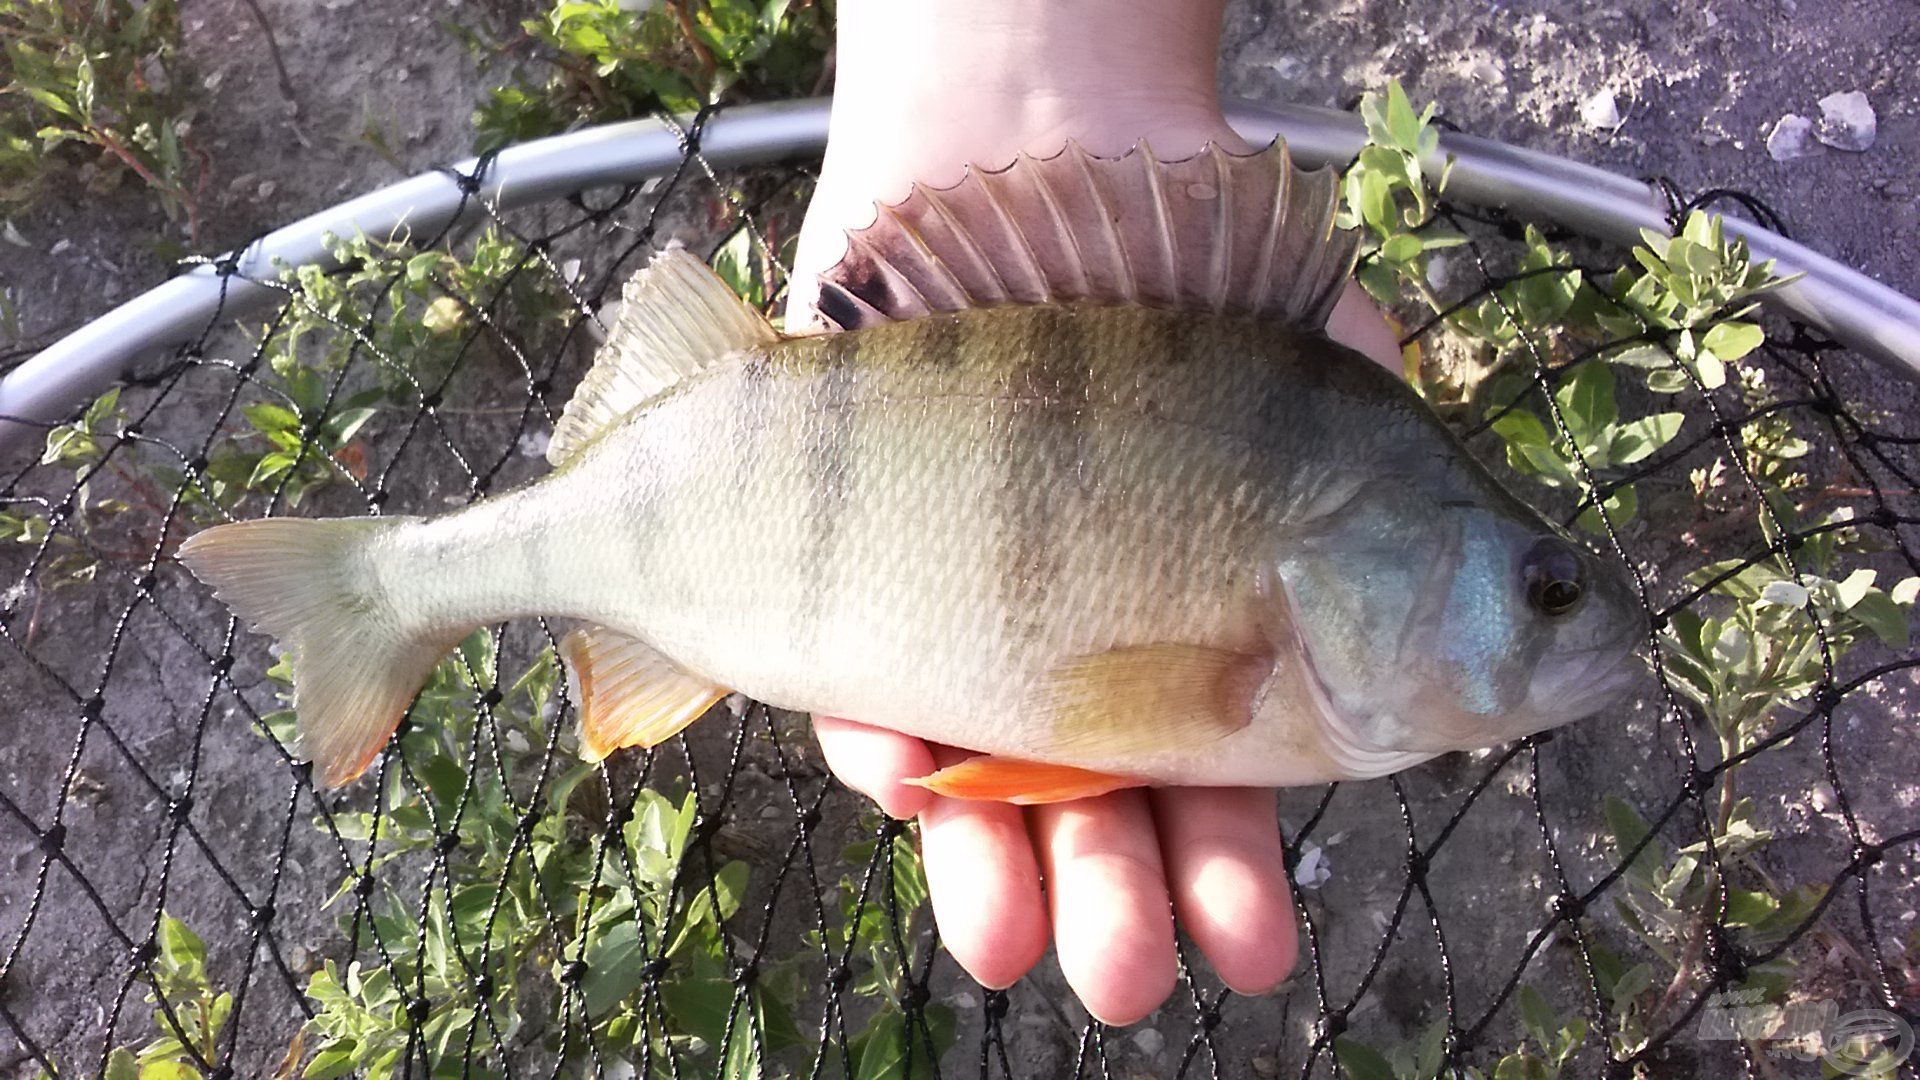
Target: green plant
(74, 547)
(189, 1013)
(535, 883)
(95, 87)
(602, 60)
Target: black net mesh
(175, 890)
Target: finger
(984, 884)
(1107, 894)
(874, 761)
(1358, 324)
(1228, 876)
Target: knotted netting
(1716, 879)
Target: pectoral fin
(1146, 699)
(1023, 783)
(628, 694)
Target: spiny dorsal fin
(1248, 234)
(676, 317)
(628, 694)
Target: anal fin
(627, 693)
(1023, 783)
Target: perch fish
(1081, 485)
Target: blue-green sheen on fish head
(1438, 616)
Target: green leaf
(887, 1043)
(1628, 829)
(1633, 982)
(268, 417)
(1749, 908)
(1733, 340)
(1360, 1061)
(1906, 592)
(1621, 506)
(338, 1059)
(1401, 247)
(1538, 1016)
(1637, 439)
(52, 101)
(1886, 619)
(614, 961)
(1402, 122)
(1668, 380)
(181, 950)
(346, 424)
(83, 87)
(1587, 400)
(121, 1065)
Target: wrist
(990, 78)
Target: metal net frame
(159, 701)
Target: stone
(1149, 1041)
(1847, 122)
(1602, 111)
(1791, 138)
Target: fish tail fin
(356, 665)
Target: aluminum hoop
(1866, 315)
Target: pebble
(1823, 797)
(1287, 67)
(1602, 111)
(1847, 121)
(1265, 1066)
(1899, 188)
(1313, 871)
(59, 246)
(1149, 1041)
(1789, 138)
(1488, 72)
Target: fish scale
(925, 617)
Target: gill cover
(1409, 612)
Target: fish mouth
(1589, 681)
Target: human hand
(924, 90)
(1118, 870)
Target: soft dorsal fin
(1248, 234)
(676, 317)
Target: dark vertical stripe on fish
(750, 418)
(936, 342)
(828, 468)
(1041, 447)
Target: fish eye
(1554, 577)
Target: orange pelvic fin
(1023, 783)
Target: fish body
(1170, 545)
